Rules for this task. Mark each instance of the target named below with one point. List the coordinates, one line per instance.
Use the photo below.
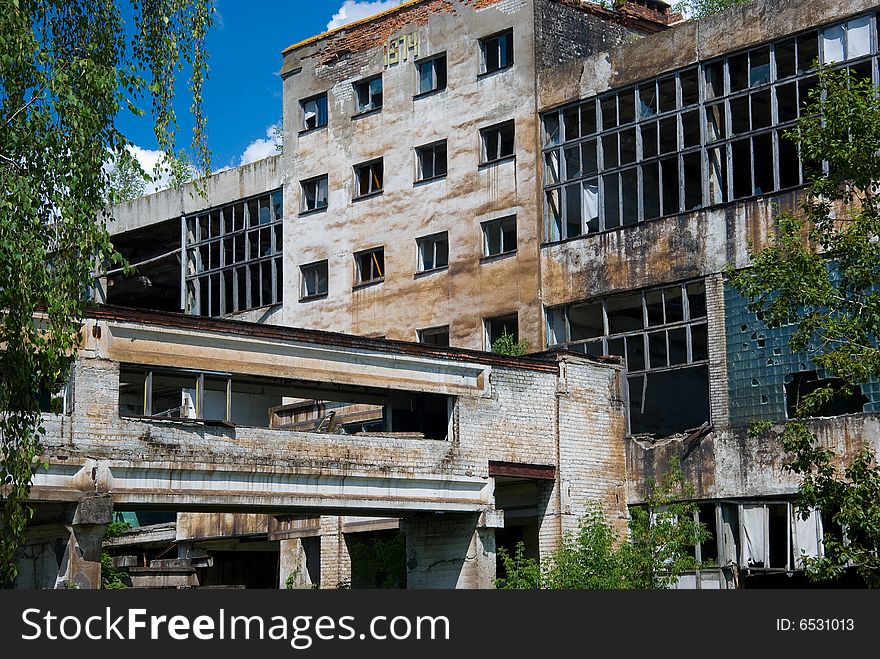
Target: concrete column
(451, 551)
(81, 563)
(292, 565)
(335, 559)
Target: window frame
(487, 322)
(304, 128)
(369, 166)
(494, 41)
(432, 150)
(499, 223)
(439, 330)
(437, 85)
(498, 131)
(686, 154)
(365, 84)
(431, 241)
(233, 256)
(304, 295)
(304, 209)
(372, 251)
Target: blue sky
(243, 92)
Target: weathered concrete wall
(221, 188)
(732, 464)
(686, 43)
(669, 249)
(468, 291)
(449, 552)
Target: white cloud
(148, 159)
(262, 148)
(354, 10)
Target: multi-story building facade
(577, 176)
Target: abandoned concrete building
(579, 177)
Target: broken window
(314, 112)
(434, 336)
(431, 161)
(691, 145)
(662, 335)
(314, 277)
(432, 74)
(314, 194)
(233, 257)
(368, 94)
(499, 236)
(368, 178)
(496, 52)
(499, 326)
(369, 266)
(497, 142)
(433, 252)
(269, 402)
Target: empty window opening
(314, 112)
(663, 337)
(368, 94)
(497, 142)
(314, 194)
(369, 266)
(315, 279)
(499, 236)
(434, 336)
(432, 74)
(800, 385)
(154, 251)
(499, 326)
(496, 52)
(267, 402)
(368, 178)
(431, 161)
(378, 559)
(233, 257)
(433, 252)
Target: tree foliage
(820, 273)
(68, 68)
(703, 8)
(656, 553)
(506, 344)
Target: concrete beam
(192, 486)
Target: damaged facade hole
(800, 385)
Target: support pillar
(335, 559)
(451, 551)
(81, 563)
(293, 569)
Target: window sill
(312, 211)
(362, 197)
(366, 113)
(425, 273)
(179, 419)
(497, 257)
(309, 131)
(489, 74)
(426, 181)
(367, 284)
(497, 161)
(431, 92)
(312, 298)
